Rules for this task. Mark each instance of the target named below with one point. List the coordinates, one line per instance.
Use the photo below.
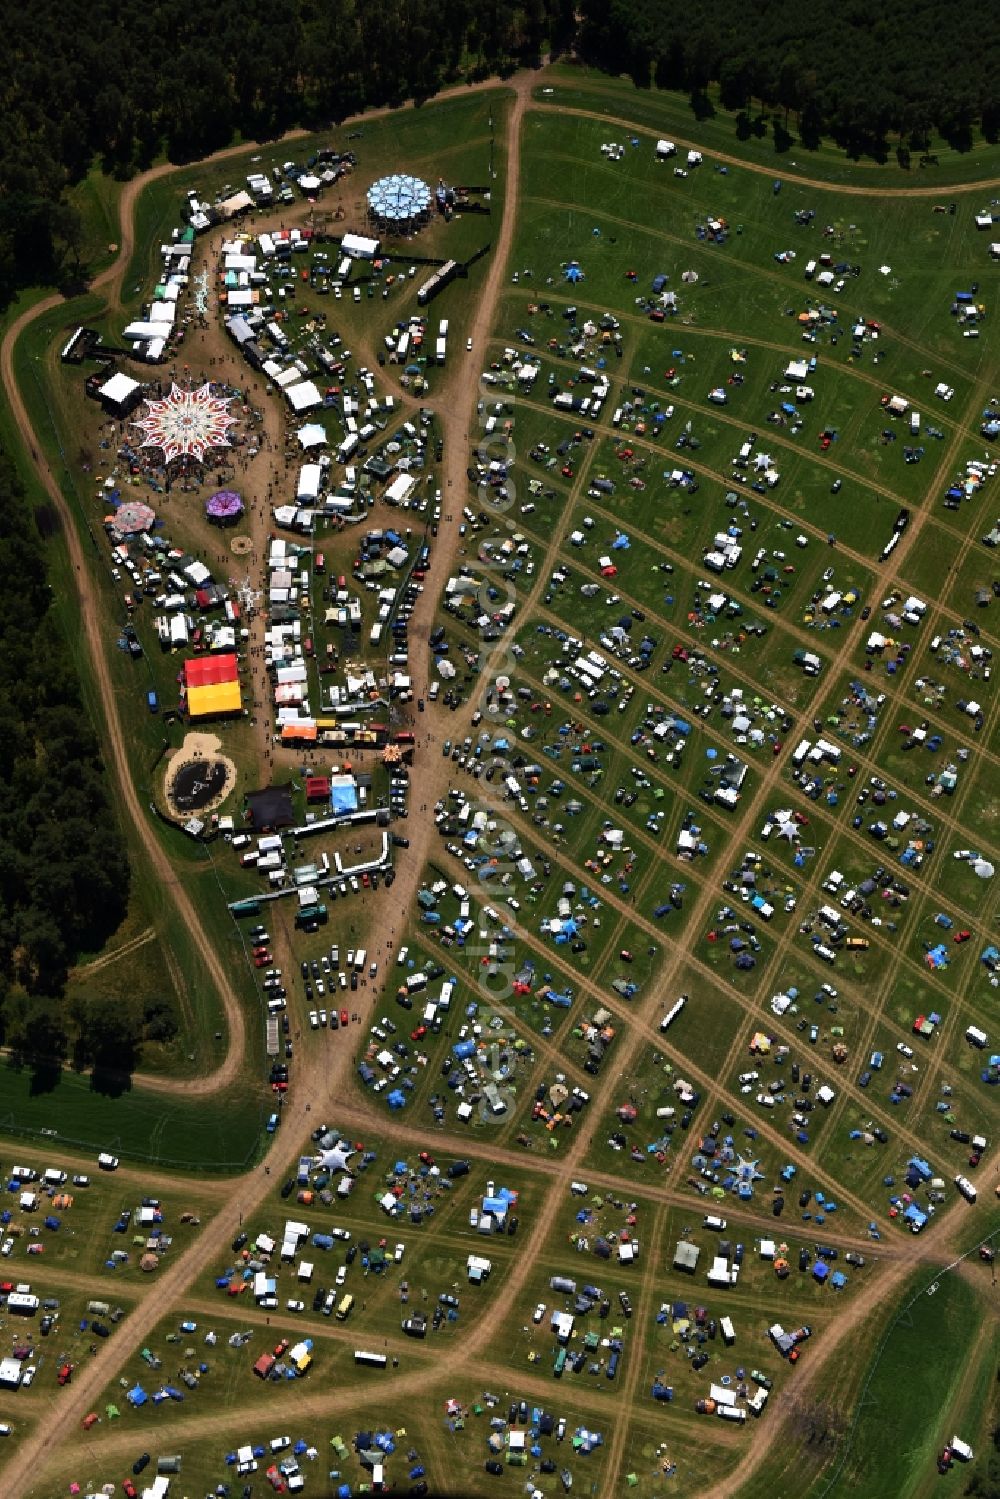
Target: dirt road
(323, 1076)
(322, 1080)
(95, 637)
(931, 190)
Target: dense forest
(120, 83)
(875, 81)
(64, 876)
(101, 80)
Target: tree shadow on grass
(110, 1082)
(45, 1078)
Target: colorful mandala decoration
(187, 424)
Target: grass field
(899, 1390)
(133, 1122)
(685, 537)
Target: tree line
(874, 80)
(97, 79)
(121, 85)
(64, 875)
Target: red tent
(210, 671)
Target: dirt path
(323, 1075)
(985, 185)
(456, 428)
(149, 935)
(455, 408)
(90, 624)
(809, 1375)
(322, 1080)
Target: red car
(344, 1017)
(419, 1033)
(962, 936)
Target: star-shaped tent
(336, 1158)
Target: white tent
(358, 247)
(336, 1158)
(119, 389)
(310, 479)
(238, 203)
(312, 435)
(304, 396)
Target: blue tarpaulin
(344, 797)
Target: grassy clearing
(568, 86)
(149, 1127)
(740, 318)
(901, 1390)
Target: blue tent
(137, 1396)
(344, 798)
(573, 272)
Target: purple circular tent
(224, 508)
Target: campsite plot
(954, 1099)
(981, 804)
(970, 584)
(667, 1462)
(229, 1348)
(706, 1027)
(731, 952)
(961, 888)
(688, 571)
(65, 1330)
(72, 1226)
